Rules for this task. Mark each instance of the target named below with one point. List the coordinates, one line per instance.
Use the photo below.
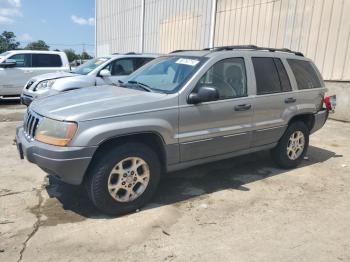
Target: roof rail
(130, 53)
(231, 47)
(252, 47)
(181, 50)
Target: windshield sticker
(186, 61)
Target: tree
(37, 45)
(70, 54)
(84, 55)
(8, 41)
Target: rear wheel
(293, 146)
(124, 178)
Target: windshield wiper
(141, 85)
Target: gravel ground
(241, 209)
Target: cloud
(5, 20)
(25, 37)
(83, 21)
(9, 10)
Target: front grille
(29, 84)
(31, 121)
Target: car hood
(52, 76)
(97, 102)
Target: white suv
(96, 72)
(18, 66)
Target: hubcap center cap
(129, 179)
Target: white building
(318, 28)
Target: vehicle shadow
(10, 101)
(235, 174)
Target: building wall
(318, 28)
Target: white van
(18, 66)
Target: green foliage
(70, 54)
(85, 56)
(8, 41)
(37, 45)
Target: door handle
(28, 72)
(289, 100)
(243, 107)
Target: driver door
(13, 79)
(223, 126)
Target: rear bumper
(67, 163)
(320, 119)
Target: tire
(283, 153)
(100, 178)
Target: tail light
(330, 102)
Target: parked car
(180, 110)
(18, 66)
(99, 71)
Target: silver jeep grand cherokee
(180, 110)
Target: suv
(180, 110)
(96, 72)
(18, 66)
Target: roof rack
(252, 47)
(181, 50)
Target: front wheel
(124, 178)
(293, 146)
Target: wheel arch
(307, 118)
(152, 139)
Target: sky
(61, 24)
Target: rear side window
(282, 73)
(46, 60)
(304, 73)
(271, 76)
(138, 62)
(267, 79)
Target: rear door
(219, 127)
(274, 102)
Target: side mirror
(105, 73)
(204, 94)
(8, 63)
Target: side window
(228, 76)
(22, 60)
(282, 73)
(267, 78)
(138, 62)
(121, 67)
(304, 73)
(46, 60)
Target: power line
(75, 44)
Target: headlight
(55, 132)
(45, 84)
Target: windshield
(90, 65)
(166, 74)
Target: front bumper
(26, 99)
(320, 119)
(69, 164)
